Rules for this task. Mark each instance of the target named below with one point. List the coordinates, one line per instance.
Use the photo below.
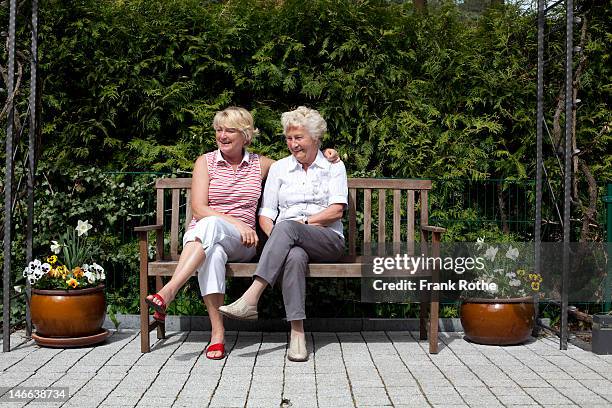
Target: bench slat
(382, 218)
(352, 221)
(173, 183)
(410, 223)
(174, 224)
(188, 213)
(402, 184)
(397, 213)
(424, 213)
(367, 215)
(246, 270)
(159, 254)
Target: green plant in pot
(504, 314)
(67, 304)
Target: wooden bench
(411, 195)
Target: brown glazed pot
(68, 313)
(498, 322)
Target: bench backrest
(410, 205)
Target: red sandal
(160, 317)
(216, 347)
(160, 310)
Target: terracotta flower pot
(68, 313)
(498, 321)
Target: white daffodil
(480, 243)
(511, 275)
(512, 253)
(515, 282)
(56, 247)
(83, 227)
(490, 253)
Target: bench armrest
(146, 228)
(144, 241)
(431, 228)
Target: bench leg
(145, 345)
(435, 299)
(433, 327)
(161, 327)
(423, 309)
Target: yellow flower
(535, 277)
(54, 273)
(62, 271)
(535, 286)
(78, 272)
(520, 272)
(52, 259)
(72, 283)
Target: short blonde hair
(239, 118)
(309, 119)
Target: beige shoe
(240, 310)
(297, 349)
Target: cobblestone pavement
(368, 369)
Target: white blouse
(292, 193)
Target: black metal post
(31, 154)
(569, 118)
(539, 160)
(539, 131)
(8, 185)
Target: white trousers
(221, 243)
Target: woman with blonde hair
(225, 190)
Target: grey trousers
(286, 255)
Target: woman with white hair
(303, 203)
(225, 191)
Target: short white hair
(310, 119)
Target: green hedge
(133, 85)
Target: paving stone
(371, 400)
(512, 399)
(381, 372)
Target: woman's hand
(248, 236)
(331, 155)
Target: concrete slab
(345, 369)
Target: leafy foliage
(133, 86)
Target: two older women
(303, 203)
(225, 191)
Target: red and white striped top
(234, 193)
